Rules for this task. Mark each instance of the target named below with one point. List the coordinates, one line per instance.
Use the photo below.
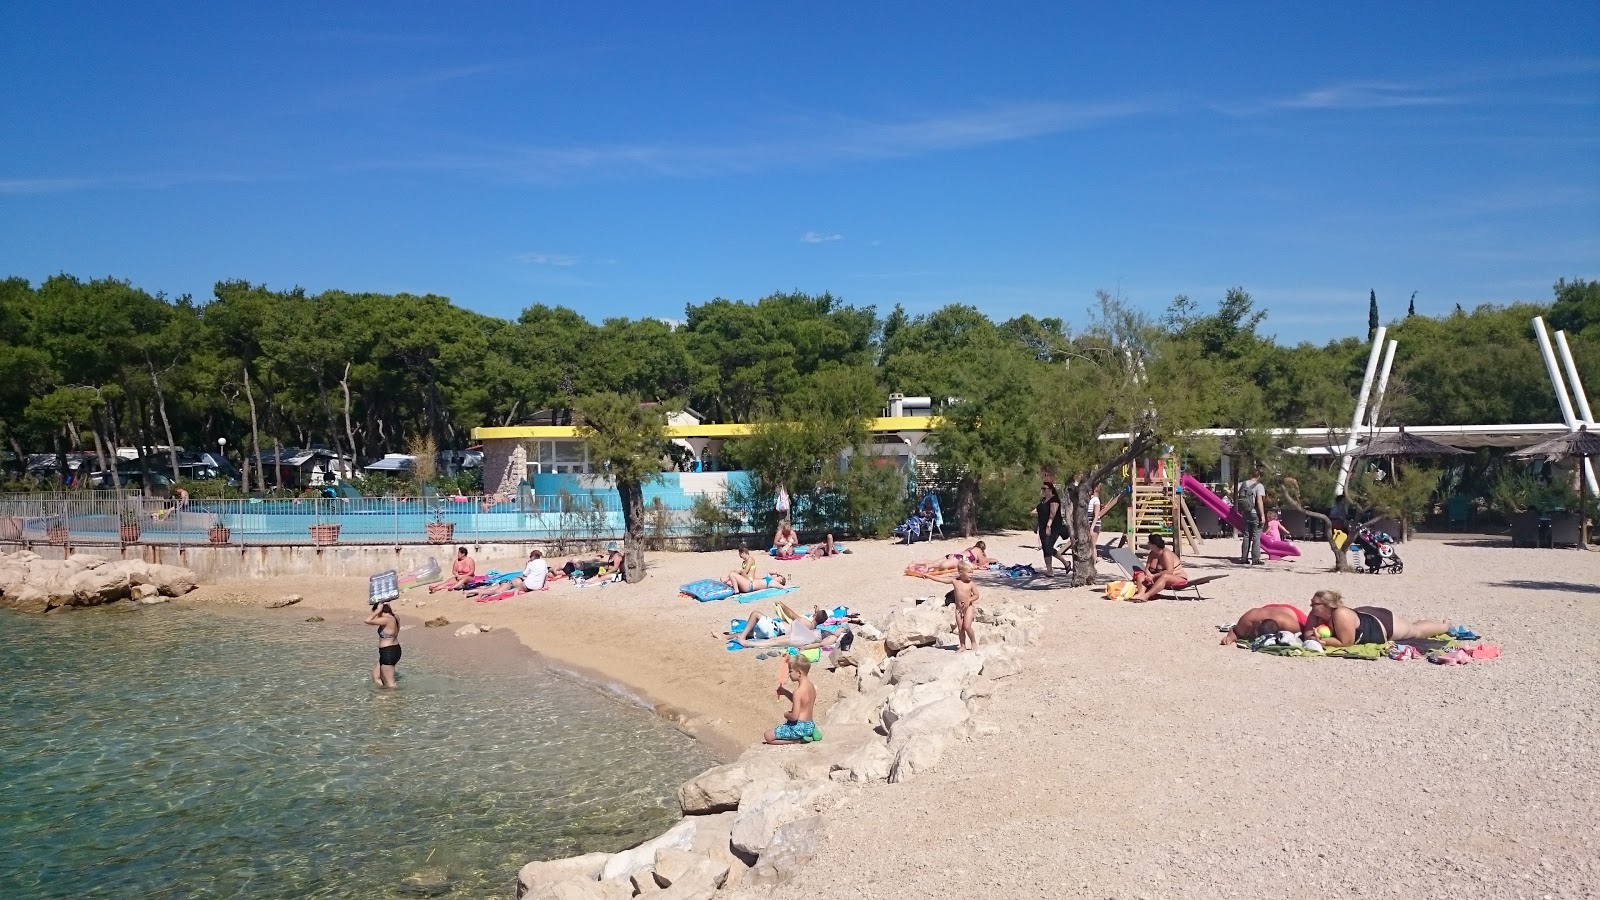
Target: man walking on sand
(1253, 507)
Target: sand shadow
(1569, 586)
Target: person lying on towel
(1163, 570)
(1364, 624)
(1269, 619)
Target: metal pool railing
(101, 518)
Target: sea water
(173, 752)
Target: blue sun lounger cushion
(706, 590)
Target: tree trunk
(100, 454)
(145, 448)
(166, 423)
(327, 414)
(255, 434)
(116, 441)
(1341, 556)
(967, 504)
(355, 454)
(1076, 499)
(632, 494)
(277, 465)
(62, 472)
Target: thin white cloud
(818, 237)
(559, 260)
(57, 185)
(799, 143)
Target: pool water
(172, 752)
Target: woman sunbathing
(786, 539)
(749, 584)
(976, 554)
(1364, 624)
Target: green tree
(627, 440)
(1372, 315)
(1125, 375)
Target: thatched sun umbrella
(1580, 444)
(1407, 444)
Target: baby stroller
(925, 521)
(1378, 548)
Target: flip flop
(1485, 651)
(1462, 633)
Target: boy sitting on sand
(797, 727)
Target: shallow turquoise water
(175, 753)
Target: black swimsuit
(1370, 631)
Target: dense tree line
(103, 363)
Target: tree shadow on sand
(1569, 586)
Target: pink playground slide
(1274, 548)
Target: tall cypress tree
(1411, 310)
(1372, 315)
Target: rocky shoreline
(30, 583)
(755, 822)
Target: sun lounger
(1129, 562)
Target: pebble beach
(1133, 756)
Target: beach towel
(1356, 651)
(706, 590)
(495, 598)
(490, 578)
(765, 594)
(798, 554)
(925, 571)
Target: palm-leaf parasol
(1583, 444)
(1407, 444)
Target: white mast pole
(1383, 385)
(1347, 461)
(1581, 397)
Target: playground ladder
(1155, 505)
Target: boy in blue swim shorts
(797, 727)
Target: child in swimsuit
(798, 726)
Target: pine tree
(1411, 310)
(1372, 315)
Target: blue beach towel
(706, 590)
(764, 594)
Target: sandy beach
(1134, 756)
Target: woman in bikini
(1364, 624)
(786, 539)
(388, 625)
(749, 584)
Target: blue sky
(628, 159)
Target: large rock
(863, 651)
(871, 762)
(719, 789)
(88, 560)
(925, 664)
(581, 889)
(172, 581)
(919, 740)
(27, 598)
(917, 626)
(791, 847)
(870, 678)
(905, 699)
(625, 864)
(91, 587)
(859, 709)
(1002, 661)
(678, 866)
(758, 820)
(545, 872)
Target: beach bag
(1121, 590)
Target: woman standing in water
(388, 625)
